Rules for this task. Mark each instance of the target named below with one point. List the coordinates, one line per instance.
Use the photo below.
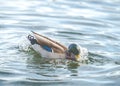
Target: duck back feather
(44, 41)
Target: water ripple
(90, 23)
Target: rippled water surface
(94, 24)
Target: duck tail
(32, 39)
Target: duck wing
(44, 41)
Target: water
(93, 24)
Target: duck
(49, 48)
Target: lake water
(94, 24)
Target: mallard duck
(49, 48)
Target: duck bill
(77, 57)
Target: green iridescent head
(74, 48)
(73, 52)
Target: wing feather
(42, 40)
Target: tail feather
(32, 39)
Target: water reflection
(55, 69)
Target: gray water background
(94, 24)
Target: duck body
(46, 47)
(47, 54)
(49, 48)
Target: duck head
(73, 52)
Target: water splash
(24, 44)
